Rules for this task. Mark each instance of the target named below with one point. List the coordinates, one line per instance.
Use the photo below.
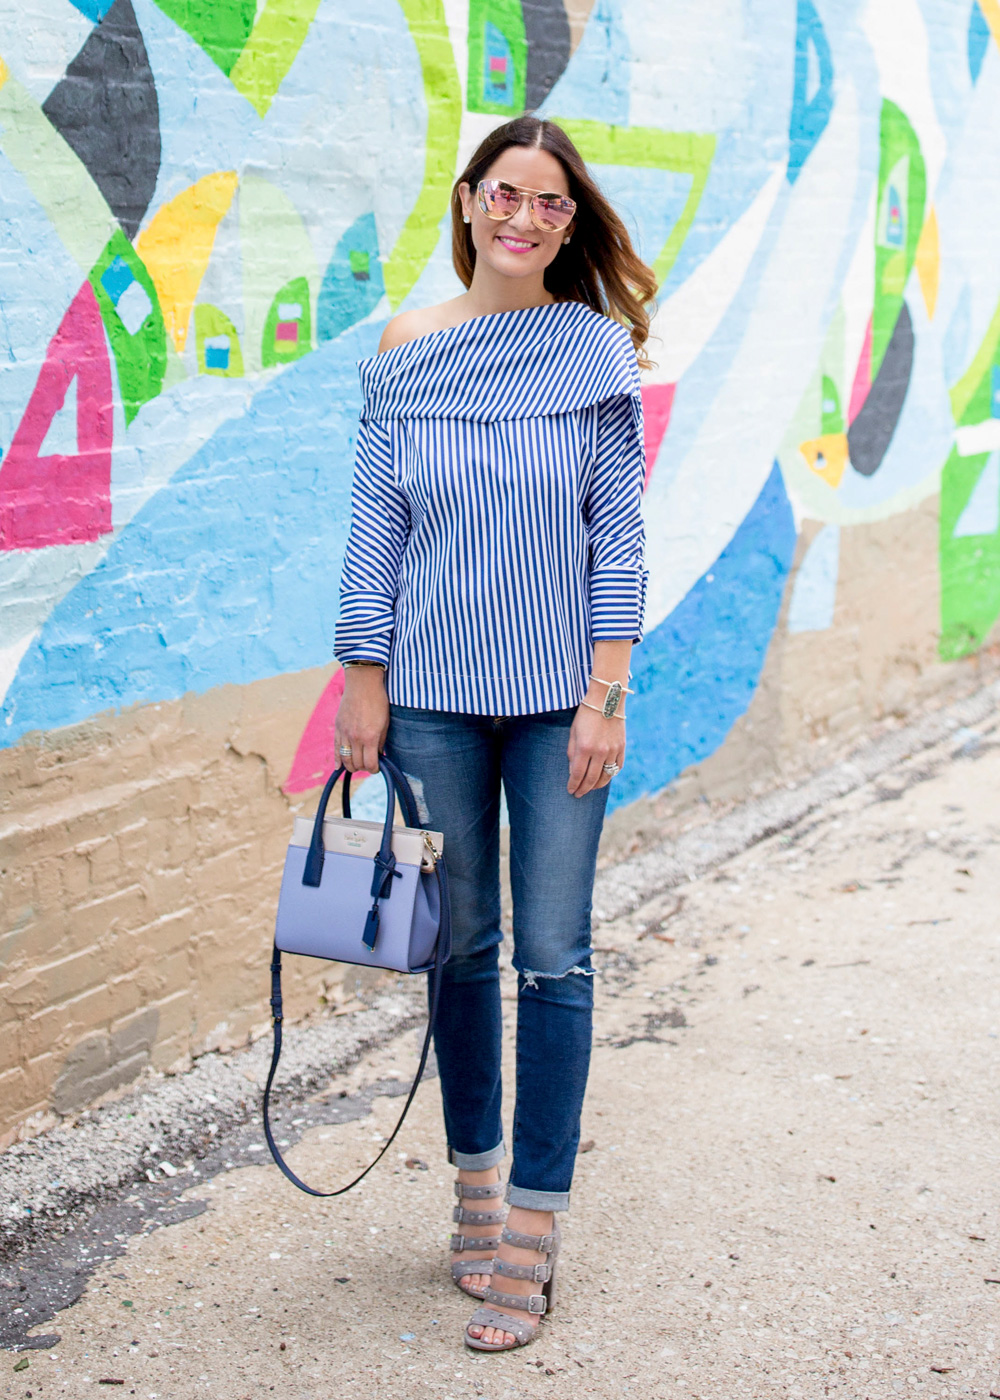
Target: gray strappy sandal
(535, 1304)
(460, 1268)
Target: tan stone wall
(141, 853)
(141, 856)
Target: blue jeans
(456, 763)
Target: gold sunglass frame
(483, 195)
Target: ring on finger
(611, 768)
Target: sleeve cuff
(617, 604)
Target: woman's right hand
(362, 719)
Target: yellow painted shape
(827, 456)
(991, 13)
(928, 261)
(178, 243)
(4, 72)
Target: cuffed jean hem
(536, 1200)
(477, 1161)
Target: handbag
(363, 893)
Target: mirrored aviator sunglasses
(547, 211)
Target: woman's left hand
(593, 741)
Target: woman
(492, 589)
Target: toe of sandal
(463, 1268)
(523, 1332)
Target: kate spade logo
(354, 838)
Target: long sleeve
(380, 525)
(615, 527)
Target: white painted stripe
(975, 438)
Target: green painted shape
(220, 27)
(647, 147)
(831, 412)
(897, 141)
(360, 263)
(282, 352)
(443, 95)
(970, 567)
(271, 50)
(141, 358)
(893, 278)
(209, 321)
(507, 17)
(55, 175)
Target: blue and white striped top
(496, 530)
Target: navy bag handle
(385, 862)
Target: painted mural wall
(207, 214)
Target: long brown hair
(598, 266)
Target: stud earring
(468, 219)
(565, 240)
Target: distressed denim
(456, 763)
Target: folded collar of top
(508, 364)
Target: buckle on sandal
(538, 1304)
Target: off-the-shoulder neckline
(470, 321)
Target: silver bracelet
(597, 708)
(600, 682)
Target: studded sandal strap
(461, 1216)
(534, 1303)
(477, 1193)
(536, 1273)
(460, 1242)
(462, 1267)
(489, 1317)
(545, 1244)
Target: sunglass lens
(498, 199)
(552, 211)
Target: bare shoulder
(410, 325)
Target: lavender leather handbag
(358, 892)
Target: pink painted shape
(863, 376)
(657, 401)
(287, 330)
(63, 499)
(315, 757)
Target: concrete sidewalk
(791, 1188)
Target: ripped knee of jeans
(417, 787)
(531, 978)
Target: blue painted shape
(696, 673)
(955, 343)
(498, 68)
(814, 595)
(981, 515)
(894, 218)
(345, 298)
(978, 40)
(117, 278)
(649, 201)
(217, 357)
(596, 79)
(225, 574)
(93, 9)
(995, 393)
(812, 96)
